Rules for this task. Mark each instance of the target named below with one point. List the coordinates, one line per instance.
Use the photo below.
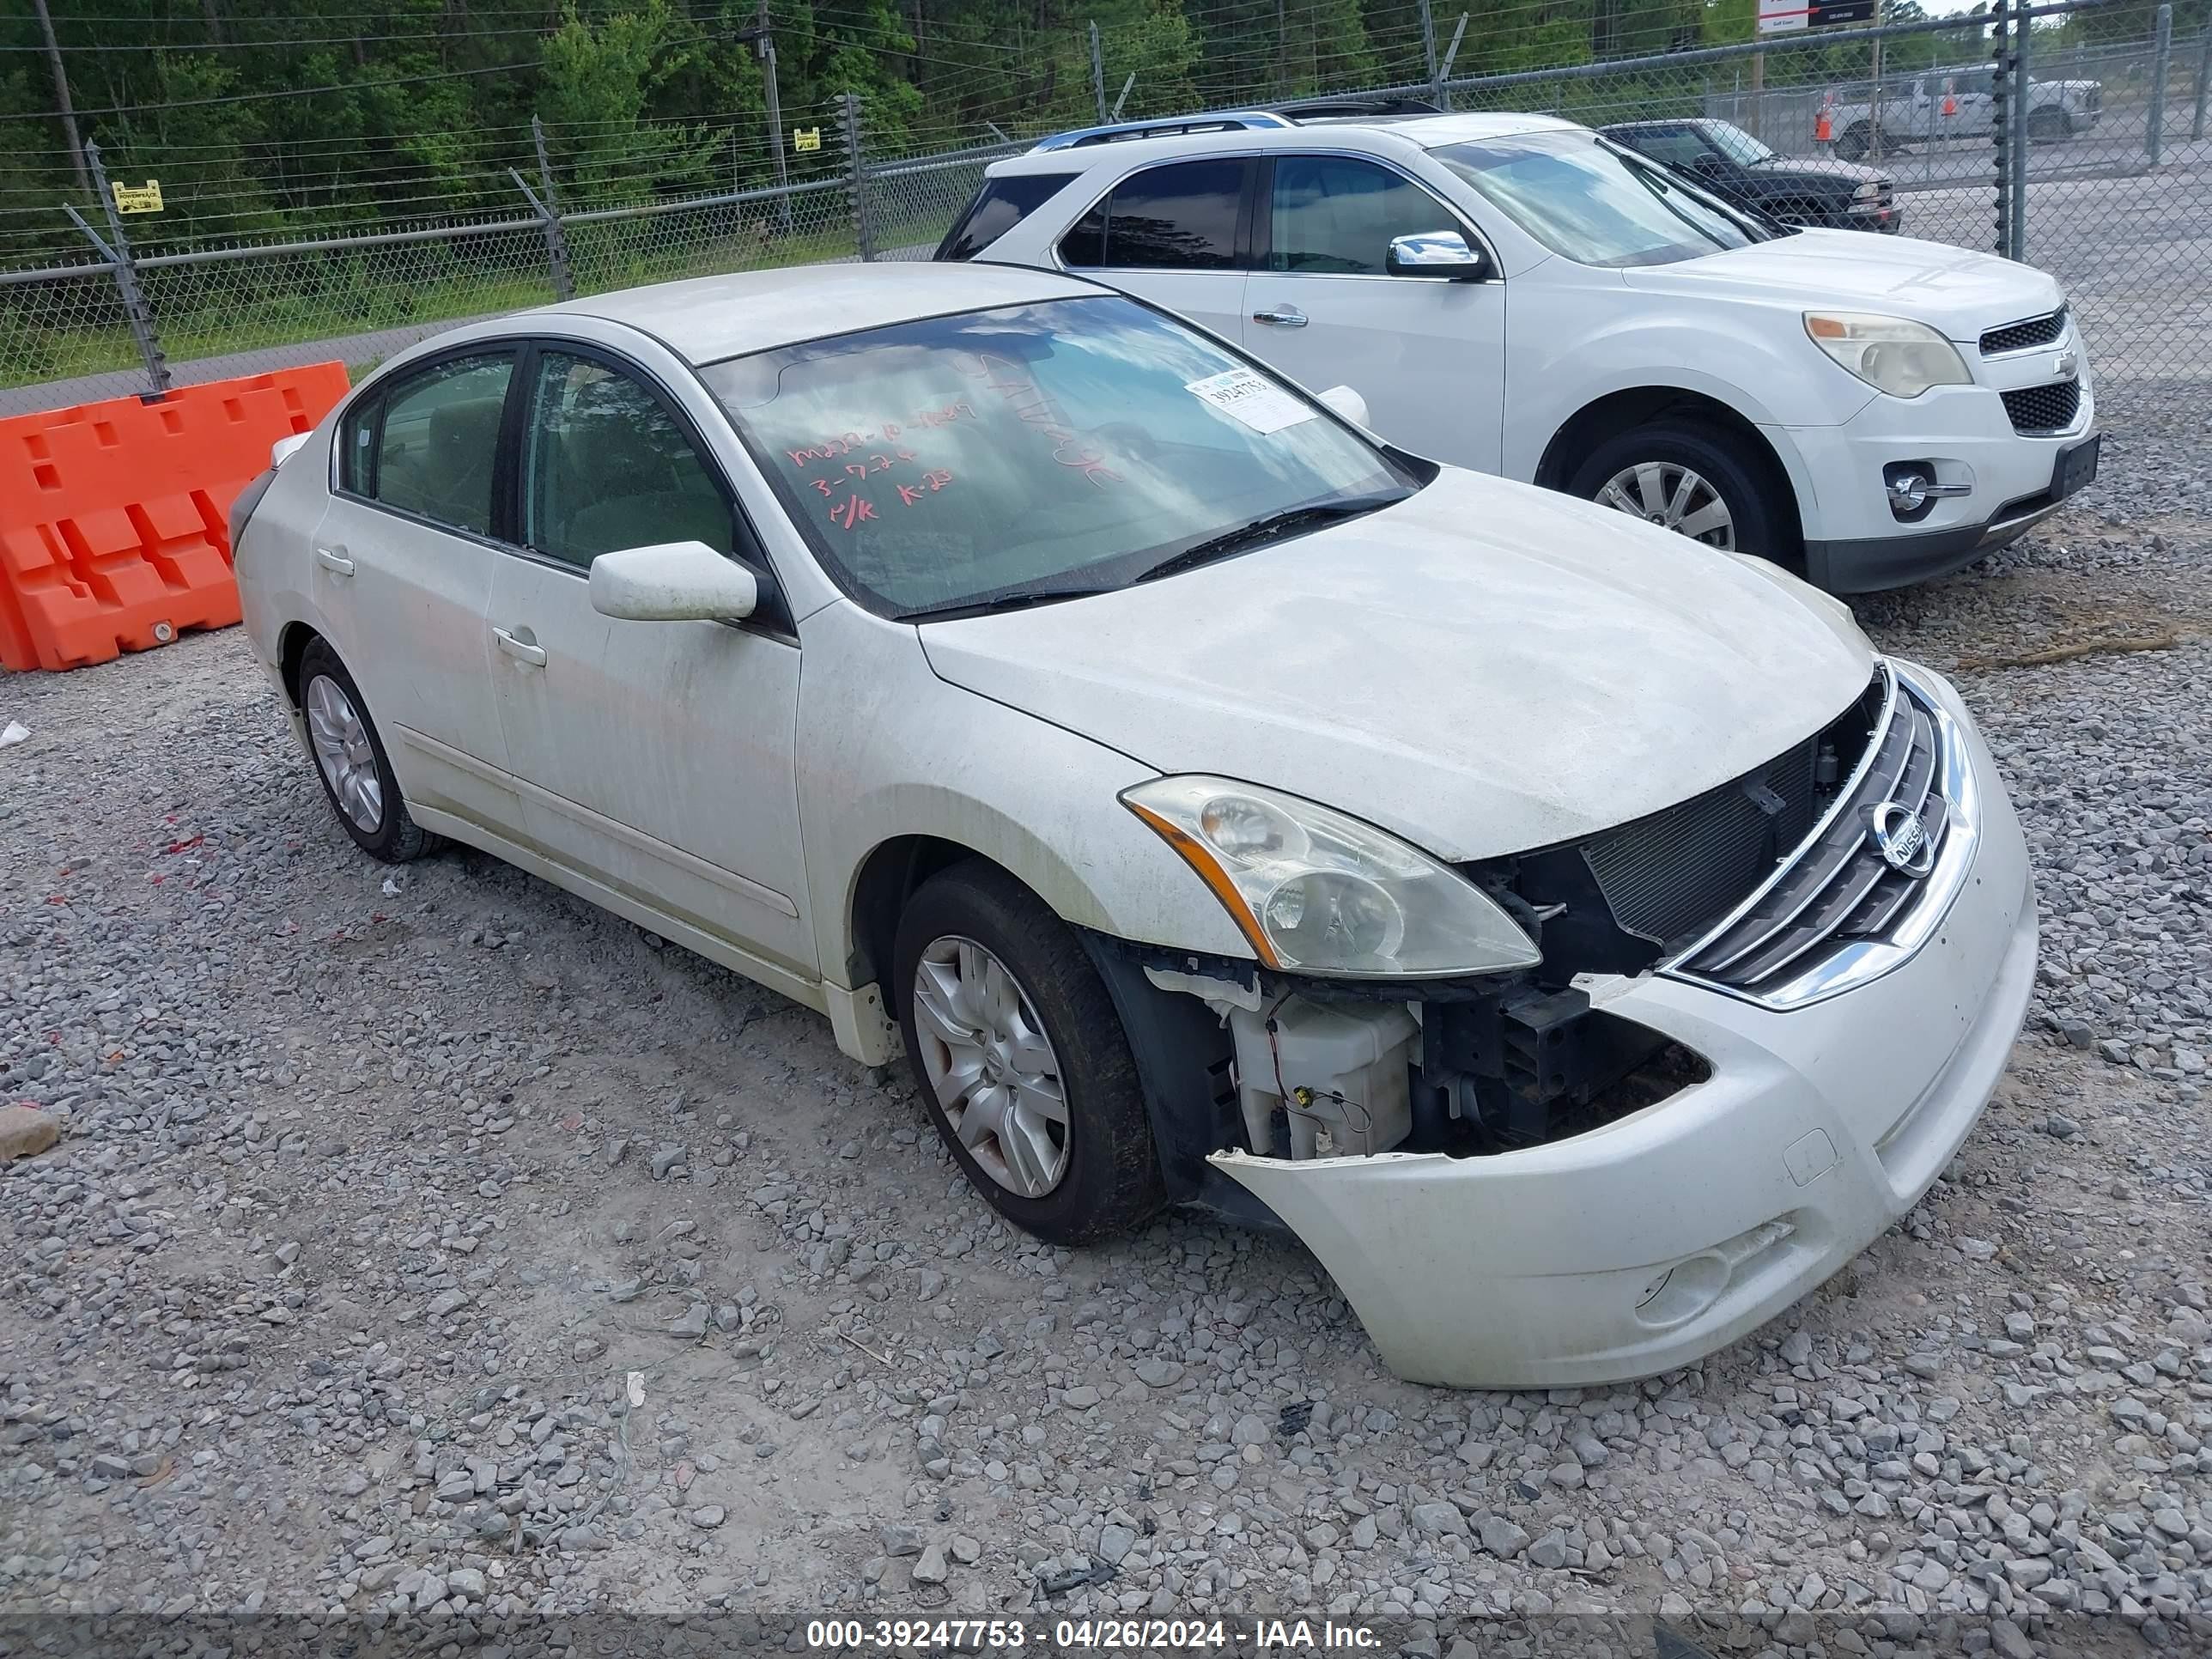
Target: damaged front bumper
(1648, 1243)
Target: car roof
(1422, 131)
(710, 318)
(1665, 121)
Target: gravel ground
(437, 1242)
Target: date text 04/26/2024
(1088, 1635)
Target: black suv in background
(1737, 168)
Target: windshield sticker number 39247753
(1252, 398)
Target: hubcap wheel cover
(1674, 497)
(991, 1067)
(340, 738)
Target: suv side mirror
(673, 582)
(1437, 253)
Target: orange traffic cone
(1950, 99)
(1824, 130)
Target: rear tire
(1009, 994)
(1643, 471)
(1853, 144)
(351, 761)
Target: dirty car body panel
(1576, 935)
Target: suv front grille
(2019, 337)
(1838, 890)
(2043, 409)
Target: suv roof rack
(1242, 120)
(1276, 117)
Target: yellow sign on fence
(807, 138)
(138, 199)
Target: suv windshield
(1035, 452)
(1593, 202)
(1739, 145)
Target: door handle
(1281, 317)
(334, 560)
(532, 656)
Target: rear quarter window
(1001, 206)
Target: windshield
(1593, 202)
(1737, 145)
(1009, 455)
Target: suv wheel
(2049, 126)
(1687, 477)
(349, 759)
(1020, 1058)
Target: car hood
(1786, 166)
(1485, 668)
(1957, 290)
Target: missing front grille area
(1618, 902)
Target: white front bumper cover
(1650, 1242)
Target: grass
(217, 309)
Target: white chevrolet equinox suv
(1517, 294)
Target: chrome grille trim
(1869, 919)
(2042, 412)
(2024, 335)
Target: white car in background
(1517, 294)
(1577, 936)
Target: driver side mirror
(674, 581)
(1437, 253)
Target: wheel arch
(1623, 411)
(292, 643)
(1180, 1052)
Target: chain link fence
(2092, 162)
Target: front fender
(889, 750)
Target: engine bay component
(1318, 1079)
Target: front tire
(2049, 126)
(1853, 144)
(1689, 477)
(1020, 1058)
(351, 761)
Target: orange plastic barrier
(114, 517)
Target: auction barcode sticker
(1252, 398)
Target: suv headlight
(1891, 354)
(1317, 891)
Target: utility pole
(776, 140)
(1098, 75)
(61, 95)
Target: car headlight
(1891, 354)
(1867, 191)
(1317, 891)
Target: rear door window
(1183, 216)
(438, 443)
(1001, 205)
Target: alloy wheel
(340, 738)
(1674, 497)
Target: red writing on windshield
(851, 511)
(932, 482)
(1029, 404)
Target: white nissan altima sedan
(1577, 936)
